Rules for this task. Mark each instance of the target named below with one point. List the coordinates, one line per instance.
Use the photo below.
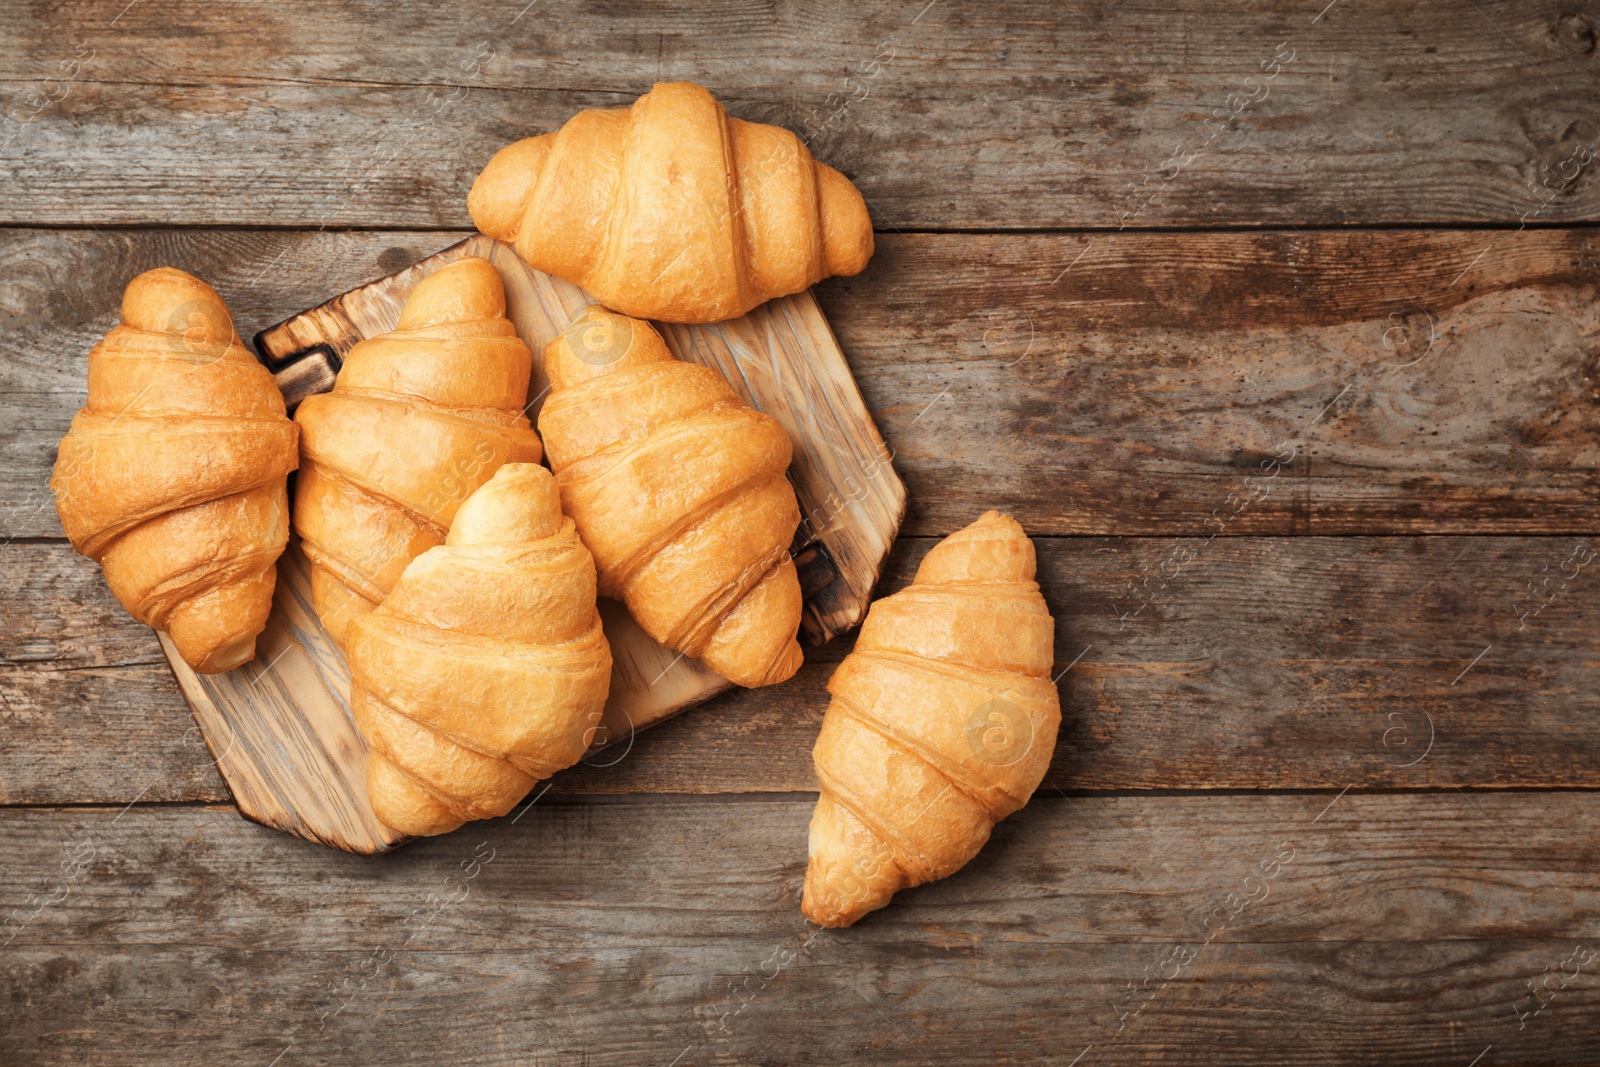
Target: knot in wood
(1574, 33)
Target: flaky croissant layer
(680, 492)
(418, 419)
(486, 669)
(671, 210)
(173, 475)
(943, 721)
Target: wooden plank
(1273, 930)
(1244, 663)
(1138, 393)
(1407, 382)
(1025, 115)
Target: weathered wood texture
(1140, 392)
(1239, 663)
(1400, 929)
(1099, 382)
(1037, 115)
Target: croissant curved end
(467, 290)
(168, 300)
(217, 630)
(404, 805)
(520, 503)
(755, 644)
(847, 242)
(599, 342)
(849, 872)
(992, 548)
(499, 197)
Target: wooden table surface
(1326, 786)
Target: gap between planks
(592, 800)
(1307, 535)
(1273, 226)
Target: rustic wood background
(1326, 791)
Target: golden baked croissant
(942, 722)
(417, 420)
(671, 210)
(486, 669)
(173, 474)
(679, 491)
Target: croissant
(679, 491)
(173, 475)
(486, 669)
(671, 210)
(417, 419)
(942, 722)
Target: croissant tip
(169, 300)
(822, 904)
(599, 341)
(168, 275)
(999, 519)
(500, 193)
(680, 88)
(463, 291)
(466, 271)
(228, 657)
(520, 502)
(831, 921)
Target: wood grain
(1392, 928)
(1101, 380)
(1135, 395)
(1243, 663)
(1019, 116)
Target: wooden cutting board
(280, 728)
